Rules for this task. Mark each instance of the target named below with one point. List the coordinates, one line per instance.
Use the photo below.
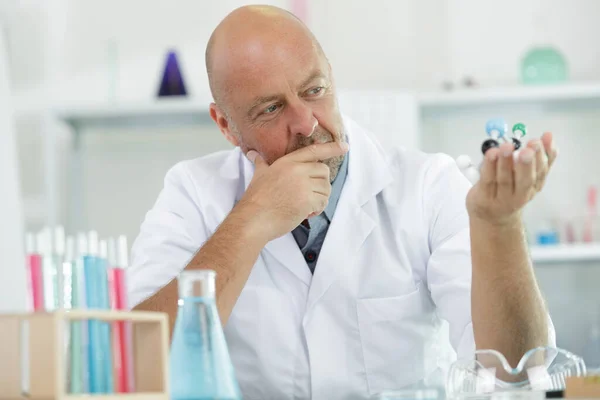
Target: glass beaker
(200, 366)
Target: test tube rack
(34, 344)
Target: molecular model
(497, 132)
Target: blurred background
(93, 141)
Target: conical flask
(200, 366)
(172, 83)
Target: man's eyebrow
(315, 75)
(266, 99)
(262, 100)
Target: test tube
(107, 361)
(93, 295)
(80, 301)
(58, 258)
(71, 301)
(69, 273)
(122, 263)
(44, 239)
(35, 273)
(117, 300)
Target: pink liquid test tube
(35, 273)
(118, 301)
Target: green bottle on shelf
(543, 65)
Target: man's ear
(220, 119)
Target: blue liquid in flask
(200, 366)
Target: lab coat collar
(285, 248)
(368, 173)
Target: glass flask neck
(199, 283)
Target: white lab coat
(395, 263)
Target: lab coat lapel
(284, 249)
(368, 174)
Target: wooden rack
(43, 336)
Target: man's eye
(315, 91)
(271, 109)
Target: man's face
(283, 99)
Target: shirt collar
(336, 189)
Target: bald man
(337, 260)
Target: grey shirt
(310, 240)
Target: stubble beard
(323, 136)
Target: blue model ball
(496, 128)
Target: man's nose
(303, 121)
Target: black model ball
(488, 144)
(497, 133)
(519, 130)
(516, 143)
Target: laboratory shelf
(189, 110)
(165, 112)
(574, 93)
(565, 253)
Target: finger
(504, 171)
(319, 151)
(256, 159)
(525, 174)
(319, 170)
(319, 203)
(321, 186)
(488, 172)
(541, 163)
(550, 148)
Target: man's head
(272, 84)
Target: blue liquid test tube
(95, 356)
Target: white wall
(11, 221)
(379, 44)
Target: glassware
(200, 366)
(488, 374)
(172, 83)
(543, 65)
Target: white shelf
(186, 111)
(565, 253)
(478, 97)
(153, 113)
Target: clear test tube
(58, 258)
(80, 302)
(44, 241)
